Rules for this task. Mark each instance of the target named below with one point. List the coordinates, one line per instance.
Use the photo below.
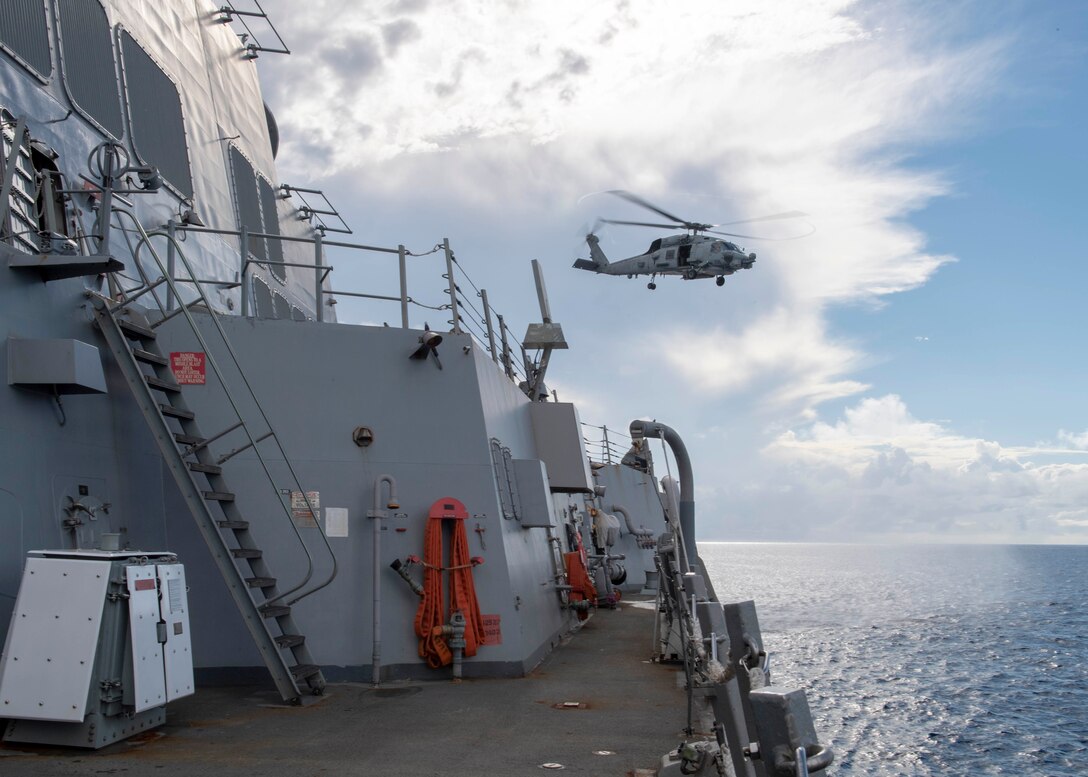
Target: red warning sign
(188, 367)
(492, 629)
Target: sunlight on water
(927, 660)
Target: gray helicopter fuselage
(689, 256)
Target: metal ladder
(131, 337)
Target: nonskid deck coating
(629, 707)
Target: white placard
(336, 521)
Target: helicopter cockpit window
(154, 116)
(24, 35)
(654, 246)
(86, 56)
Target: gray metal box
(536, 502)
(99, 643)
(69, 366)
(558, 433)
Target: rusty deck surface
(629, 713)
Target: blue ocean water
(927, 659)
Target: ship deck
(630, 712)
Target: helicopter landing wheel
(720, 280)
(651, 285)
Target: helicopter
(691, 256)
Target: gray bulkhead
(93, 449)
(431, 431)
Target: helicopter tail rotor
(598, 261)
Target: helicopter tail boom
(598, 261)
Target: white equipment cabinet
(99, 643)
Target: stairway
(199, 475)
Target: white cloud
(1074, 440)
(878, 472)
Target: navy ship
(208, 481)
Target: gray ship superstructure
(349, 503)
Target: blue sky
(1005, 323)
(911, 371)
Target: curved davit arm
(642, 429)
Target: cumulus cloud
(1074, 440)
(878, 472)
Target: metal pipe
(490, 329)
(643, 429)
(170, 261)
(319, 277)
(453, 286)
(457, 641)
(243, 249)
(641, 532)
(402, 253)
(376, 516)
(505, 349)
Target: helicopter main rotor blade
(634, 198)
(793, 214)
(642, 224)
(812, 229)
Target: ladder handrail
(145, 239)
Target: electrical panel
(99, 643)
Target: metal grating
(154, 116)
(249, 205)
(271, 227)
(90, 74)
(23, 33)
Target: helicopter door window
(670, 254)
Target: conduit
(641, 429)
(376, 515)
(640, 532)
(431, 627)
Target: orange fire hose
(431, 616)
(581, 587)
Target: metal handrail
(467, 317)
(145, 239)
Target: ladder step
(211, 469)
(238, 525)
(302, 671)
(218, 496)
(134, 330)
(246, 552)
(187, 439)
(290, 640)
(150, 358)
(176, 412)
(162, 385)
(275, 610)
(260, 582)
